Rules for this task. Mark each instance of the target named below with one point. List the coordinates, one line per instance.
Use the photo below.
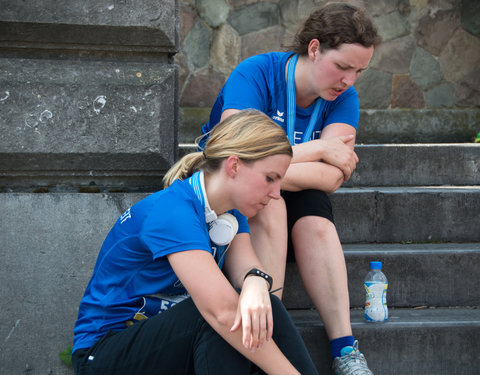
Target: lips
(337, 91)
(263, 204)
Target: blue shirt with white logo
(259, 83)
(132, 278)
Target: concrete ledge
(54, 172)
(418, 275)
(118, 110)
(92, 25)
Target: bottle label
(376, 309)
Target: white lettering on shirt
(126, 215)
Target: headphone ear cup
(223, 229)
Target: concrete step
(399, 214)
(410, 164)
(441, 341)
(417, 164)
(418, 275)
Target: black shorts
(305, 203)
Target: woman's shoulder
(265, 60)
(179, 195)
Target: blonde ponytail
(249, 134)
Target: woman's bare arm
(217, 301)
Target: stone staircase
(416, 208)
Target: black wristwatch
(260, 273)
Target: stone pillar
(88, 104)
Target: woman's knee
(317, 226)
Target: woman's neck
(217, 198)
(304, 96)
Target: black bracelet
(266, 276)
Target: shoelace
(355, 361)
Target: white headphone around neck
(223, 228)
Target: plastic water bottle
(376, 285)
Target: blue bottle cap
(376, 265)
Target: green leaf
(66, 356)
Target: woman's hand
(254, 313)
(339, 154)
(333, 151)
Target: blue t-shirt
(259, 83)
(132, 278)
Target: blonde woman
(162, 296)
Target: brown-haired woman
(309, 92)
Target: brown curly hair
(334, 24)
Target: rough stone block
(93, 24)
(254, 17)
(89, 118)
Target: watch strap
(260, 273)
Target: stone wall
(423, 84)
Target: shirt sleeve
(247, 86)
(173, 226)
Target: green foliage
(477, 139)
(66, 356)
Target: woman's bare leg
(268, 231)
(321, 263)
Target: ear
(232, 164)
(313, 48)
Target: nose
(275, 193)
(349, 78)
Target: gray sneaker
(352, 362)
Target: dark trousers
(180, 341)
